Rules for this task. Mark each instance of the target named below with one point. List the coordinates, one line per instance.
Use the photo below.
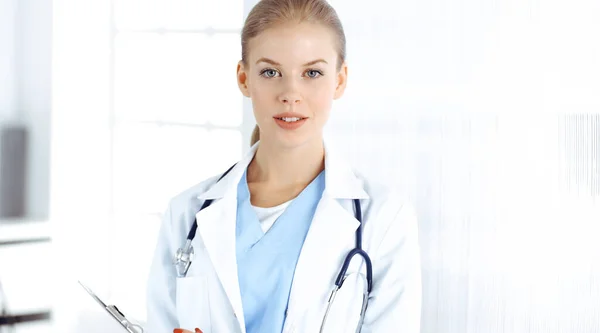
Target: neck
(283, 167)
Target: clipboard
(115, 313)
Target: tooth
(290, 119)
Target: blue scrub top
(267, 261)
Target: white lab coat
(209, 296)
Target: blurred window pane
(182, 78)
(177, 112)
(153, 163)
(128, 291)
(178, 14)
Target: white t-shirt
(268, 216)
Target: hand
(180, 330)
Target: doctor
(269, 247)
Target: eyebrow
(275, 63)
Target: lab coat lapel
(330, 237)
(216, 228)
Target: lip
(289, 115)
(291, 126)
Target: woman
(269, 247)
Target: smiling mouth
(290, 119)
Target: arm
(395, 300)
(160, 302)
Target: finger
(181, 330)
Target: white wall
(80, 127)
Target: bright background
(486, 112)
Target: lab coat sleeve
(160, 301)
(395, 299)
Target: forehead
(294, 44)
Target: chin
(294, 140)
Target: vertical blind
(486, 113)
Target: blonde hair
(268, 13)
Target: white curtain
(486, 113)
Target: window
(176, 117)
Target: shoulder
(186, 202)
(389, 211)
(384, 197)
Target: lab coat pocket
(344, 313)
(193, 310)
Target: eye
(313, 73)
(269, 73)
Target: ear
(342, 78)
(242, 79)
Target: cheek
(321, 96)
(262, 93)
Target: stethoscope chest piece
(183, 259)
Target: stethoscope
(184, 256)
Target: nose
(290, 94)
(290, 98)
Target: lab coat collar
(340, 180)
(218, 223)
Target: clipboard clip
(119, 316)
(115, 313)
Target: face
(292, 79)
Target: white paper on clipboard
(107, 318)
